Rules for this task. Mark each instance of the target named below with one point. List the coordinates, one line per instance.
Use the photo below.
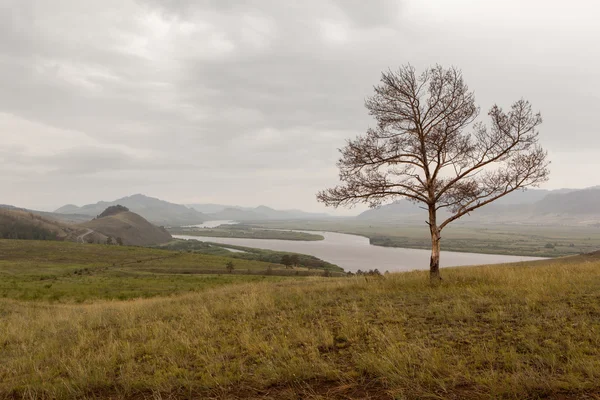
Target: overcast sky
(247, 102)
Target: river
(352, 252)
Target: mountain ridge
(157, 211)
(569, 206)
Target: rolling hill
(580, 202)
(23, 224)
(157, 211)
(541, 207)
(132, 228)
(260, 213)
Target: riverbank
(251, 253)
(516, 240)
(525, 331)
(354, 253)
(244, 232)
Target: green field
(244, 232)
(521, 331)
(247, 253)
(536, 241)
(63, 271)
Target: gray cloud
(211, 100)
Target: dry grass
(514, 332)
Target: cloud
(216, 99)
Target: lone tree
(287, 260)
(229, 266)
(294, 260)
(427, 147)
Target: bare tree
(427, 147)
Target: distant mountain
(263, 213)
(157, 211)
(398, 209)
(68, 209)
(219, 211)
(565, 206)
(580, 202)
(237, 214)
(287, 214)
(211, 208)
(133, 229)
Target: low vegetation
(21, 224)
(71, 272)
(113, 210)
(14, 228)
(250, 253)
(542, 241)
(234, 231)
(523, 331)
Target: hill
(580, 202)
(563, 206)
(23, 224)
(236, 214)
(523, 331)
(260, 213)
(132, 228)
(157, 211)
(288, 214)
(63, 218)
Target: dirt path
(81, 238)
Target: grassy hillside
(525, 331)
(130, 227)
(71, 272)
(20, 224)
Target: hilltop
(157, 211)
(130, 227)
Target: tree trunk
(434, 264)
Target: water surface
(353, 252)
(212, 224)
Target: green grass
(536, 241)
(247, 253)
(63, 271)
(524, 331)
(234, 231)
